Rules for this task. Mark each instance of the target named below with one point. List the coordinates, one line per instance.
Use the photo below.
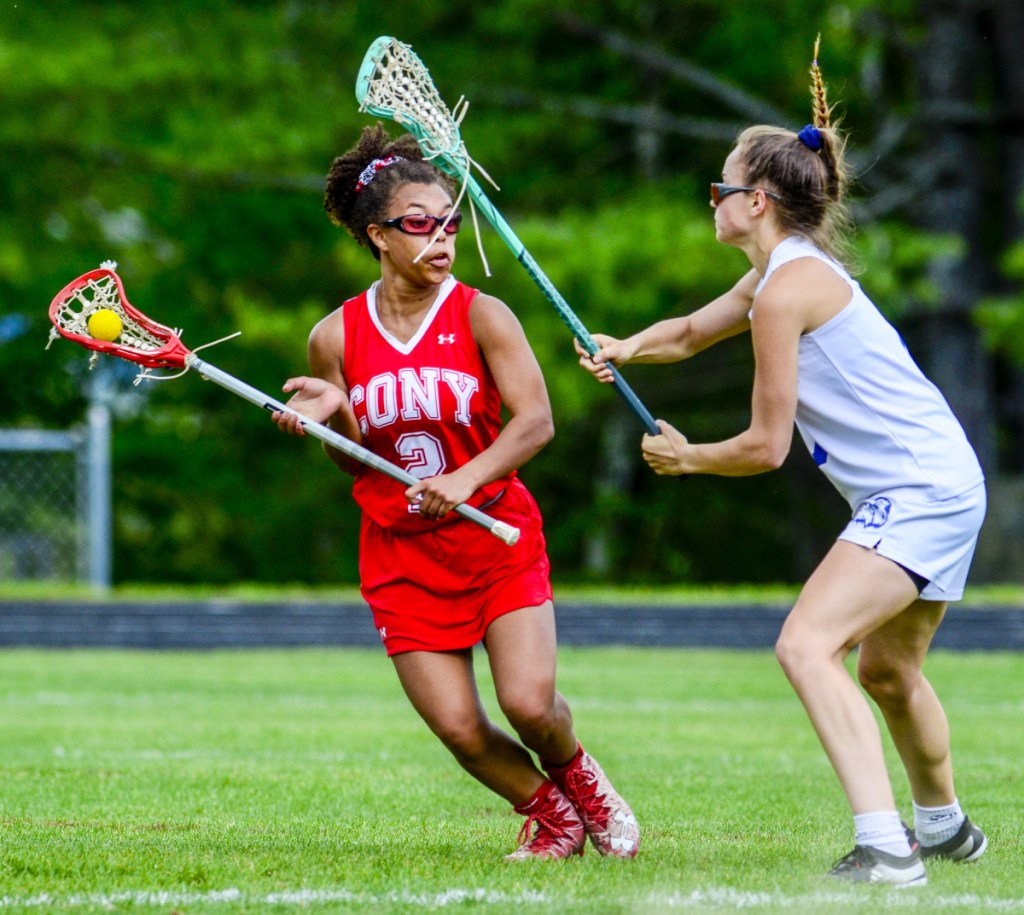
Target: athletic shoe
(911, 838)
(609, 822)
(967, 845)
(872, 865)
(559, 832)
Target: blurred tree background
(188, 141)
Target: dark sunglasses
(720, 191)
(421, 224)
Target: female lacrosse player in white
(417, 369)
(885, 437)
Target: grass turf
(301, 780)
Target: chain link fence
(55, 503)
(40, 514)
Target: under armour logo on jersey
(446, 338)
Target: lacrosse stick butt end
(505, 532)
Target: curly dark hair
(355, 210)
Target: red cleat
(559, 833)
(607, 818)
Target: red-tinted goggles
(422, 224)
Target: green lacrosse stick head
(394, 83)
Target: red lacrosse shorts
(440, 590)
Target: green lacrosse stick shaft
(555, 298)
(438, 136)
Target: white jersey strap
(793, 248)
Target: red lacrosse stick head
(142, 340)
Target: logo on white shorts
(873, 513)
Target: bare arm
(676, 339)
(323, 396)
(798, 298)
(529, 426)
(765, 443)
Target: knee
(531, 713)
(793, 653)
(466, 737)
(803, 654)
(889, 685)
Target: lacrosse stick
(394, 83)
(151, 345)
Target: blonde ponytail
(807, 169)
(821, 114)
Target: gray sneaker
(872, 865)
(967, 845)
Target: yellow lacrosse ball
(104, 324)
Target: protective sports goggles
(422, 224)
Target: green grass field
(287, 781)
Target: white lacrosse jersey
(867, 414)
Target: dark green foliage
(188, 142)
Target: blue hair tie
(810, 136)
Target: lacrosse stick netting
(394, 83)
(152, 345)
(141, 340)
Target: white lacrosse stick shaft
(503, 531)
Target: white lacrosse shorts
(934, 539)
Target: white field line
(905, 899)
(731, 899)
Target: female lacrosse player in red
(885, 437)
(417, 369)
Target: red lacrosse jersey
(428, 405)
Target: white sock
(883, 831)
(933, 825)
